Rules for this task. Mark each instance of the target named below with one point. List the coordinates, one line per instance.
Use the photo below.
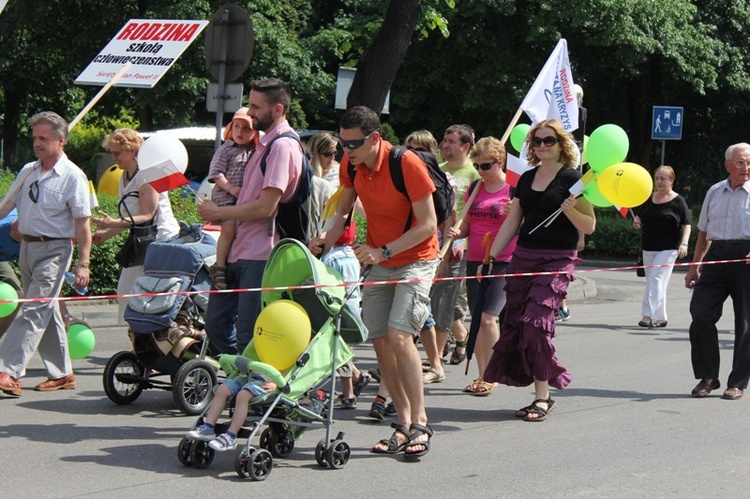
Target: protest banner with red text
(151, 45)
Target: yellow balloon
(282, 332)
(625, 184)
(109, 182)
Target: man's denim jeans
(230, 317)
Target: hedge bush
(104, 269)
(616, 238)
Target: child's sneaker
(203, 432)
(223, 442)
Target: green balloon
(81, 341)
(592, 194)
(607, 145)
(518, 136)
(7, 292)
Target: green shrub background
(104, 270)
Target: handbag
(640, 271)
(133, 251)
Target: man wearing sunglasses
(53, 207)
(393, 313)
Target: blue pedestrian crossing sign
(666, 123)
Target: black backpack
(293, 217)
(443, 198)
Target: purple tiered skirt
(525, 351)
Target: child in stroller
(298, 400)
(244, 389)
(166, 326)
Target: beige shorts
(402, 306)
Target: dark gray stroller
(170, 348)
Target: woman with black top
(524, 354)
(665, 223)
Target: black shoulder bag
(133, 252)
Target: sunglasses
(484, 166)
(548, 141)
(355, 144)
(328, 154)
(34, 191)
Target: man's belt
(41, 239)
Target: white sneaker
(223, 442)
(202, 432)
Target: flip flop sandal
(219, 276)
(523, 411)
(433, 376)
(457, 358)
(392, 445)
(484, 389)
(473, 386)
(417, 430)
(539, 413)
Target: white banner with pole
(151, 46)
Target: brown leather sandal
(457, 358)
(484, 388)
(219, 276)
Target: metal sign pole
(663, 147)
(220, 91)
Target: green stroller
(305, 392)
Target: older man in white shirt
(53, 207)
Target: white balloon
(161, 147)
(205, 190)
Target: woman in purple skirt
(525, 353)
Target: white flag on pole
(552, 95)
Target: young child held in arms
(226, 172)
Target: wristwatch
(387, 253)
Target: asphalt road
(626, 426)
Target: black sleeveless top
(537, 206)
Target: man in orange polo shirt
(395, 313)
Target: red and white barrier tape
(368, 283)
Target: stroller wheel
(201, 454)
(122, 378)
(279, 441)
(259, 465)
(241, 462)
(193, 386)
(338, 454)
(265, 439)
(183, 451)
(320, 454)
